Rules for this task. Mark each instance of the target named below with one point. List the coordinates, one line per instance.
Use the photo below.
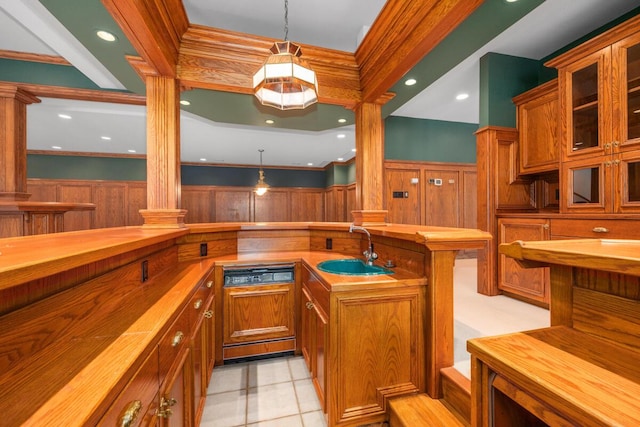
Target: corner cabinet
(363, 345)
(599, 98)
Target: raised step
(421, 410)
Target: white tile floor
(267, 393)
(279, 393)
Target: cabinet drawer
(198, 303)
(173, 341)
(136, 404)
(318, 292)
(595, 228)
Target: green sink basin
(351, 267)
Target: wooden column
(13, 142)
(369, 165)
(163, 154)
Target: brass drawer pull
(209, 283)
(600, 230)
(309, 305)
(197, 304)
(164, 411)
(177, 339)
(208, 314)
(130, 414)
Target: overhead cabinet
(599, 98)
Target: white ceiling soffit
(117, 128)
(549, 27)
(36, 19)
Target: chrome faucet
(369, 254)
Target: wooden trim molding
(33, 57)
(45, 91)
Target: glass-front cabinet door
(626, 103)
(586, 106)
(588, 185)
(628, 181)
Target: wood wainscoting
(118, 202)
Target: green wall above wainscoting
(429, 140)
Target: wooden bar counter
(109, 325)
(583, 370)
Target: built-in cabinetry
(599, 92)
(578, 156)
(363, 345)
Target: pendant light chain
(286, 20)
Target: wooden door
(441, 198)
(175, 400)
(403, 196)
(306, 330)
(320, 355)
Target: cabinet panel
(594, 228)
(232, 205)
(537, 112)
(626, 101)
(441, 198)
(273, 206)
(529, 283)
(307, 205)
(253, 313)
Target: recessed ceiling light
(462, 96)
(341, 136)
(64, 116)
(56, 147)
(353, 149)
(511, 1)
(342, 120)
(203, 159)
(309, 164)
(185, 102)
(340, 159)
(106, 138)
(131, 151)
(106, 36)
(269, 121)
(410, 82)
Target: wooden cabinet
(202, 344)
(537, 113)
(363, 347)
(530, 284)
(599, 86)
(315, 327)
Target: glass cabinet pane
(633, 177)
(586, 185)
(585, 107)
(633, 92)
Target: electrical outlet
(329, 243)
(144, 271)
(203, 249)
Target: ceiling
(230, 128)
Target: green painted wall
(127, 169)
(429, 140)
(82, 167)
(501, 78)
(50, 74)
